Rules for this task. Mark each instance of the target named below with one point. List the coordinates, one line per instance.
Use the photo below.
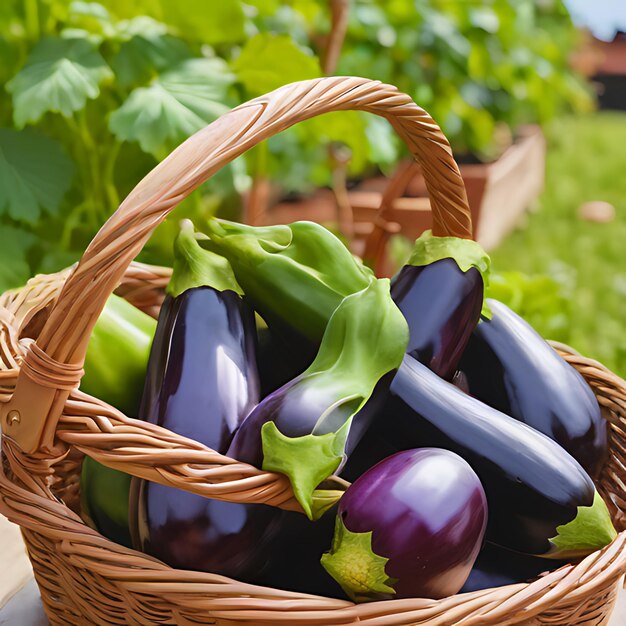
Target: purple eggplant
(541, 501)
(202, 381)
(281, 357)
(440, 293)
(302, 429)
(510, 367)
(294, 563)
(411, 526)
(497, 567)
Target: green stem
(100, 197)
(109, 174)
(73, 220)
(89, 200)
(31, 15)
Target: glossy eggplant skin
(202, 378)
(281, 357)
(497, 567)
(202, 381)
(426, 511)
(442, 305)
(510, 367)
(188, 531)
(532, 484)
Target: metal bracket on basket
(42, 388)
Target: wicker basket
(48, 424)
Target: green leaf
(306, 460)
(60, 75)
(35, 174)
(213, 23)
(346, 127)
(196, 267)
(125, 9)
(590, 530)
(174, 106)
(353, 563)
(89, 20)
(383, 141)
(269, 61)
(14, 247)
(146, 49)
(265, 7)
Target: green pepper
(117, 355)
(115, 369)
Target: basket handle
(52, 365)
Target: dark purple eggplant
(541, 501)
(510, 367)
(294, 563)
(188, 531)
(411, 526)
(303, 428)
(202, 381)
(440, 293)
(497, 567)
(281, 357)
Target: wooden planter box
(499, 193)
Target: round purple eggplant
(510, 367)
(411, 526)
(442, 305)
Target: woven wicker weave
(48, 424)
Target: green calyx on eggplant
(510, 367)
(440, 292)
(294, 275)
(590, 530)
(302, 429)
(115, 369)
(196, 267)
(411, 526)
(541, 501)
(466, 254)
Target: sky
(603, 17)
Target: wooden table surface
(20, 604)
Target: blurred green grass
(586, 161)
